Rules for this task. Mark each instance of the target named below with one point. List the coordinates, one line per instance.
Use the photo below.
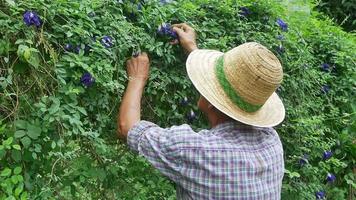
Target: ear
(210, 106)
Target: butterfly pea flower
(107, 41)
(325, 67)
(184, 101)
(325, 89)
(330, 178)
(32, 18)
(282, 24)
(320, 195)
(280, 37)
(167, 30)
(68, 47)
(91, 14)
(304, 160)
(79, 47)
(87, 79)
(191, 116)
(327, 155)
(163, 2)
(244, 11)
(280, 49)
(139, 6)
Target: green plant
(58, 131)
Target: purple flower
(87, 79)
(325, 67)
(191, 116)
(282, 24)
(244, 11)
(280, 49)
(280, 37)
(184, 101)
(91, 14)
(166, 29)
(325, 89)
(163, 2)
(77, 49)
(68, 47)
(32, 18)
(304, 160)
(327, 155)
(320, 195)
(330, 178)
(107, 41)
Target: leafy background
(58, 137)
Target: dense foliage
(62, 77)
(342, 11)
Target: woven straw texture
(252, 70)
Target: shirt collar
(230, 125)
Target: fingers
(183, 26)
(174, 42)
(178, 31)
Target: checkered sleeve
(158, 145)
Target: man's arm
(130, 109)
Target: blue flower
(87, 79)
(68, 47)
(163, 2)
(77, 49)
(139, 6)
(280, 49)
(107, 41)
(91, 14)
(327, 155)
(166, 29)
(280, 37)
(244, 11)
(32, 18)
(191, 116)
(330, 178)
(325, 67)
(282, 24)
(304, 160)
(320, 195)
(325, 89)
(184, 101)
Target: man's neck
(216, 119)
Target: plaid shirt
(229, 161)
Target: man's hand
(187, 36)
(130, 109)
(138, 68)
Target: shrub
(63, 76)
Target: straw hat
(240, 83)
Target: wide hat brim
(201, 71)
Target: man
(241, 156)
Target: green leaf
(16, 146)
(2, 151)
(19, 133)
(14, 179)
(26, 141)
(18, 190)
(33, 131)
(6, 172)
(8, 142)
(11, 2)
(21, 124)
(16, 155)
(24, 196)
(17, 170)
(34, 155)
